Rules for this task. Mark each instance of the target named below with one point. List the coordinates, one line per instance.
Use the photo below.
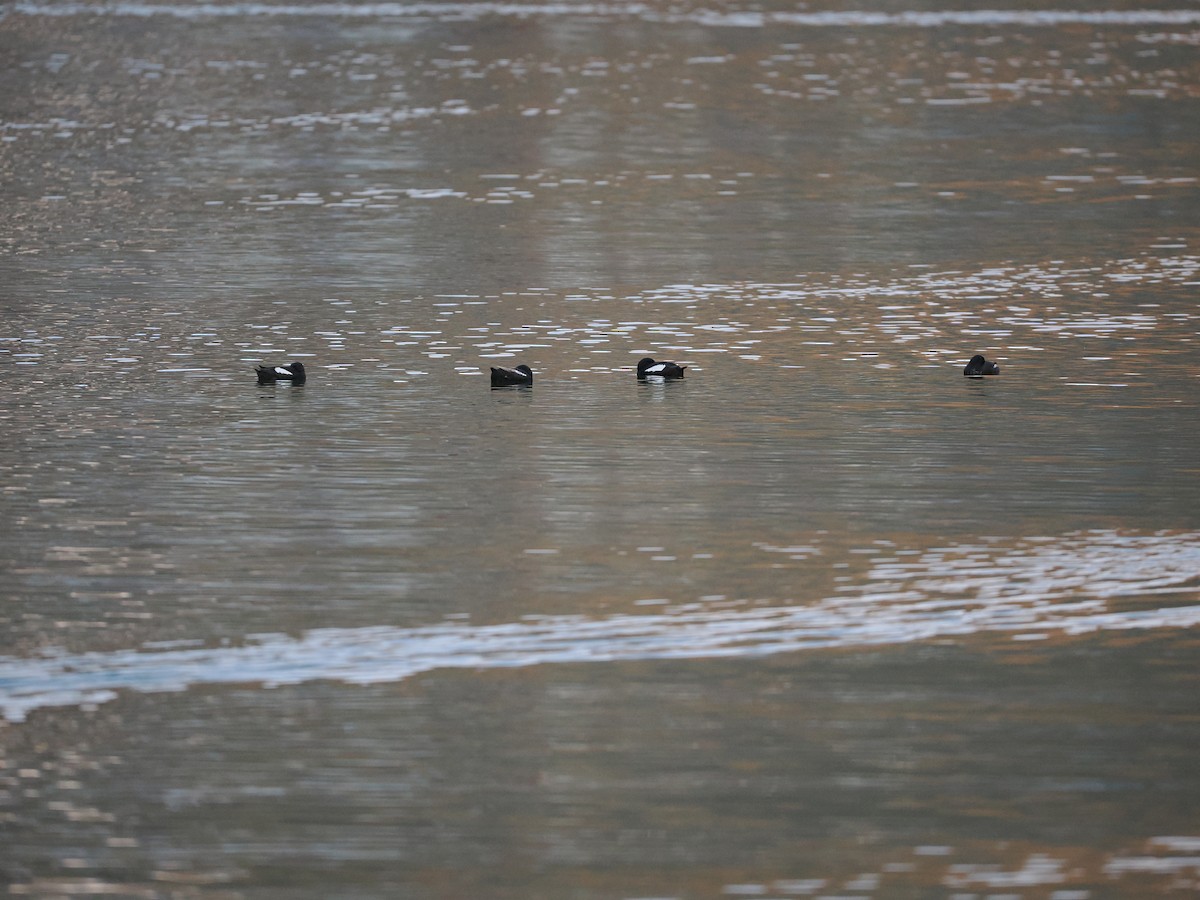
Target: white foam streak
(1058, 588)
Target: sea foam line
(649, 12)
(1029, 592)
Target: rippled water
(823, 619)
(1032, 594)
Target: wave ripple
(1041, 587)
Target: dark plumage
(521, 375)
(293, 372)
(648, 368)
(978, 367)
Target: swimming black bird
(521, 375)
(293, 372)
(648, 368)
(978, 367)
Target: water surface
(825, 618)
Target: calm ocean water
(823, 619)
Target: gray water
(823, 619)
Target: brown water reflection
(823, 619)
(676, 779)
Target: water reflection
(823, 618)
(908, 321)
(1031, 593)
